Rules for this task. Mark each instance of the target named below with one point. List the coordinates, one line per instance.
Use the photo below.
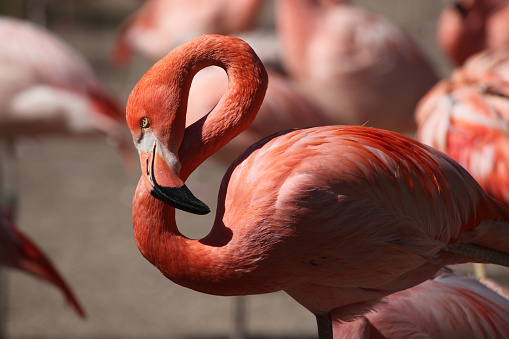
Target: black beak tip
(180, 198)
(197, 207)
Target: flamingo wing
(347, 194)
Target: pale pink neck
(296, 21)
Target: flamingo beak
(168, 187)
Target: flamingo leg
(324, 322)
(8, 203)
(3, 303)
(9, 185)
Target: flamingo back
(48, 88)
(32, 56)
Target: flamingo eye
(144, 123)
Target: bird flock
(356, 174)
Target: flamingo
(19, 252)
(47, 88)
(446, 306)
(467, 117)
(336, 216)
(470, 26)
(160, 25)
(350, 62)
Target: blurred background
(75, 203)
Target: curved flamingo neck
(193, 263)
(187, 262)
(247, 83)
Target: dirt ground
(75, 202)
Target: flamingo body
(349, 61)
(48, 88)
(446, 306)
(336, 216)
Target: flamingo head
(463, 27)
(156, 119)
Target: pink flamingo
(356, 66)
(446, 306)
(469, 26)
(46, 88)
(160, 25)
(467, 117)
(17, 251)
(336, 216)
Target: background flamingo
(467, 117)
(466, 27)
(301, 211)
(349, 61)
(160, 25)
(17, 251)
(52, 93)
(46, 88)
(448, 305)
